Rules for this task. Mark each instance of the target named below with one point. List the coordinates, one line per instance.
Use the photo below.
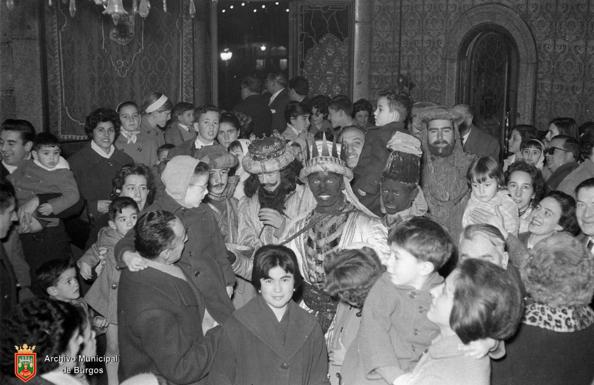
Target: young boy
(103, 294)
(46, 175)
(206, 126)
(181, 127)
(393, 109)
(394, 329)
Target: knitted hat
(320, 159)
(267, 155)
(403, 167)
(177, 174)
(216, 156)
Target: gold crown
(25, 348)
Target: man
(276, 84)
(273, 197)
(401, 197)
(220, 199)
(584, 212)
(255, 106)
(340, 110)
(392, 110)
(585, 170)
(161, 313)
(561, 156)
(186, 184)
(444, 168)
(8, 278)
(337, 222)
(474, 140)
(298, 89)
(352, 140)
(16, 142)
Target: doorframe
(510, 21)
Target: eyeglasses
(551, 150)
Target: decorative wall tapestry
(93, 63)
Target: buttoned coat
(251, 351)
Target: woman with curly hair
(95, 165)
(554, 345)
(58, 331)
(350, 274)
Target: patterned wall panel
(93, 63)
(563, 31)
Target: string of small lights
(254, 6)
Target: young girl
(350, 274)
(532, 152)
(137, 144)
(489, 201)
(103, 295)
(271, 340)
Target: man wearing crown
(273, 197)
(338, 221)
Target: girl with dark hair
(525, 186)
(58, 330)
(350, 274)
(519, 134)
(478, 300)
(271, 340)
(134, 142)
(363, 114)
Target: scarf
(563, 319)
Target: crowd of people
(298, 240)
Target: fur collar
(564, 319)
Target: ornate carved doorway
(488, 78)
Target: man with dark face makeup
(400, 195)
(273, 197)
(444, 167)
(339, 221)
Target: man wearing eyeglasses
(561, 159)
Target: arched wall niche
(507, 19)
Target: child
(393, 109)
(532, 152)
(163, 152)
(350, 274)
(489, 202)
(49, 175)
(140, 146)
(181, 127)
(103, 294)
(394, 329)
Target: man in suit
(276, 84)
(474, 140)
(255, 106)
(584, 213)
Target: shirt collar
(198, 143)
(100, 151)
(9, 168)
(62, 164)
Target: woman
(156, 111)
(58, 330)
(271, 340)
(363, 114)
(478, 300)
(520, 133)
(134, 181)
(525, 185)
(137, 144)
(554, 345)
(319, 123)
(554, 213)
(95, 165)
(350, 274)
